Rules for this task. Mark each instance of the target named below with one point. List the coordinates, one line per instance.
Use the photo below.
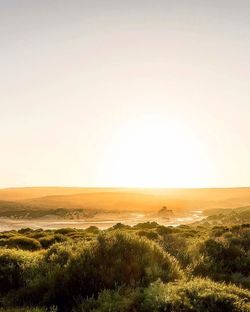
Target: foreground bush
(196, 295)
(113, 260)
(22, 242)
(225, 257)
(122, 259)
(193, 296)
(67, 273)
(118, 265)
(14, 265)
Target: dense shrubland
(147, 267)
(194, 295)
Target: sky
(125, 93)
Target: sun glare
(152, 152)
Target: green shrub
(225, 258)
(13, 268)
(118, 265)
(120, 226)
(113, 260)
(50, 240)
(163, 230)
(122, 300)
(23, 242)
(25, 231)
(65, 231)
(194, 296)
(92, 229)
(148, 234)
(146, 225)
(62, 253)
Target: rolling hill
(115, 200)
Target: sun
(156, 152)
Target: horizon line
(124, 187)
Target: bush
(92, 229)
(120, 226)
(13, 267)
(113, 260)
(115, 268)
(25, 231)
(148, 234)
(146, 225)
(22, 242)
(50, 240)
(194, 296)
(61, 253)
(65, 231)
(122, 300)
(224, 259)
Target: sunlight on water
(131, 219)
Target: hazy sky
(125, 93)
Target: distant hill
(225, 211)
(240, 215)
(187, 194)
(115, 200)
(23, 193)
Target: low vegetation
(147, 267)
(195, 295)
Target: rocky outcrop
(165, 212)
